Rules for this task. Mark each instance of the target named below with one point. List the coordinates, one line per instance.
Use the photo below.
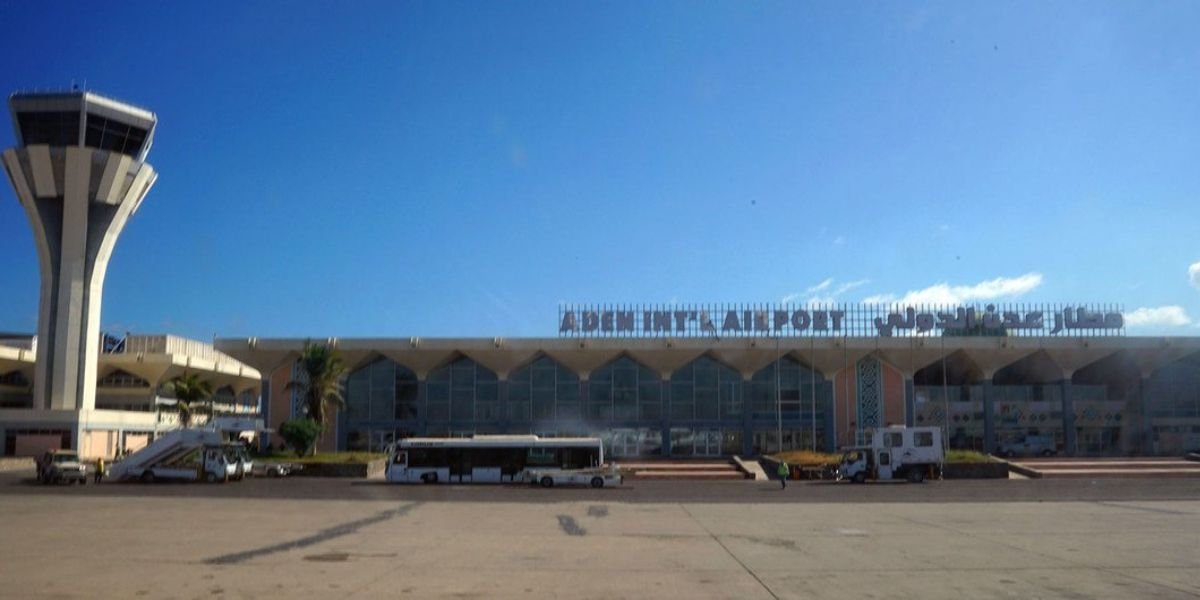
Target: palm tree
(190, 393)
(320, 382)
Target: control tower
(79, 171)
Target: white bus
(490, 458)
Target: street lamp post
(778, 398)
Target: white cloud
(1194, 274)
(820, 287)
(1161, 316)
(825, 292)
(944, 293)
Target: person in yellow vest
(100, 467)
(784, 471)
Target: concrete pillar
(747, 420)
(665, 423)
(505, 422)
(1147, 446)
(1068, 412)
(989, 419)
(829, 424)
(910, 400)
(264, 403)
(422, 407)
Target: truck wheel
(916, 475)
(429, 478)
(859, 477)
(547, 481)
(83, 481)
(147, 477)
(597, 482)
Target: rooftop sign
(841, 320)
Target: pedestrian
(784, 469)
(100, 466)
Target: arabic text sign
(746, 320)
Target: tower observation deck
(79, 171)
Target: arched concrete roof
(747, 355)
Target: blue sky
(459, 169)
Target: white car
(596, 478)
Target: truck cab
(910, 453)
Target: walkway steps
(694, 470)
(1094, 468)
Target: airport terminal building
(710, 381)
(670, 381)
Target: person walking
(100, 466)
(784, 470)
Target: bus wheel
(210, 477)
(597, 482)
(916, 475)
(148, 476)
(429, 478)
(859, 477)
(547, 481)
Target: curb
(1022, 470)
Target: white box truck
(911, 453)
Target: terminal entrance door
(625, 443)
(706, 442)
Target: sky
(459, 169)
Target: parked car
(277, 469)
(1029, 445)
(56, 466)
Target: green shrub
(967, 456)
(300, 434)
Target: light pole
(778, 397)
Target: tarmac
(734, 539)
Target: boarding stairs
(168, 447)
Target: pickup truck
(57, 466)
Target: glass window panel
(543, 408)
(486, 391)
(625, 378)
(650, 411)
(518, 392)
(568, 392)
(439, 412)
(599, 411)
(650, 391)
(543, 377)
(625, 397)
(682, 408)
(568, 410)
(439, 393)
(600, 391)
(566, 375)
(706, 375)
(706, 404)
(462, 409)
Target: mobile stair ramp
(167, 447)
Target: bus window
(541, 457)
(401, 458)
